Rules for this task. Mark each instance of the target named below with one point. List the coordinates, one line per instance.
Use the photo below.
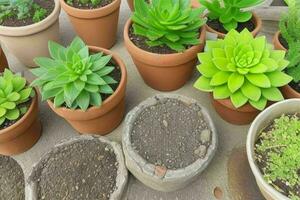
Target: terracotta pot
(239, 116)
(3, 61)
(287, 91)
(262, 121)
(130, 4)
(99, 120)
(256, 20)
(97, 27)
(22, 135)
(29, 42)
(164, 72)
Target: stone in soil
(171, 134)
(84, 170)
(218, 26)
(12, 186)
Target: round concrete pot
(22, 135)
(97, 27)
(164, 72)
(32, 184)
(12, 179)
(256, 20)
(3, 61)
(104, 119)
(263, 120)
(29, 42)
(158, 177)
(287, 91)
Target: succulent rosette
(244, 69)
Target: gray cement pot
(271, 10)
(148, 173)
(122, 174)
(262, 121)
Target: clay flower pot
(12, 179)
(3, 61)
(164, 72)
(262, 121)
(287, 91)
(85, 167)
(255, 18)
(239, 116)
(29, 42)
(22, 135)
(130, 4)
(163, 147)
(97, 27)
(99, 120)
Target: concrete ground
(227, 177)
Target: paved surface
(214, 183)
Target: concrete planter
(272, 10)
(263, 119)
(155, 176)
(33, 182)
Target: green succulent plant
(290, 30)
(244, 69)
(72, 77)
(85, 2)
(168, 22)
(13, 93)
(230, 12)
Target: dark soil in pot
(278, 3)
(218, 26)
(283, 42)
(171, 134)
(12, 186)
(82, 170)
(15, 22)
(88, 6)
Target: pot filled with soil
(273, 150)
(3, 61)
(20, 127)
(12, 184)
(27, 27)
(95, 22)
(287, 39)
(165, 61)
(225, 16)
(89, 91)
(244, 80)
(85, 167)
(168, 140)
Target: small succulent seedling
(230, 12)
(290, 30)
(244, 69)
(93, 2)
(168, 22)
(72, 77)
(22, 9)
(279, 151)
(13, 93)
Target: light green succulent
(244, 69)
(13, 92)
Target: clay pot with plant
(84, 85)
(3, 61)
(85, 167)
(288, 39)
(168, 141)
(224, 16)
(243, 74)
(20, 128)
(273, 150)
(96, 22)
(26, 26)
(164, 45)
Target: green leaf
(272, 94)
(83, 100)
(100, 63)
(207, 70)
(25, 93)
(56, 51)
(14, 96)
(260, 80)
(279, 79)
(77, 44)
(59, 99)
(95, 79)
(221, 92)
(203, 84)
(260, 104)
(96, 99)
(109, 80)
(13, 114)
(235, 82)
(238, 99)
(18, 83)
(50, 93)
(106, 89)
(105, 71)
(221, 63)
(2, 112)
(71, 93)
(2, 120)
(220, 78)
(251, 91)
(8, 105)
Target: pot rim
(251, 138)
(24, 117)
(228, 104)
(90, 13)
(159, 59)
(189, 171)
(257, 21)
(122, 173)
(276, 40)
(107, 101)
(33, 28)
